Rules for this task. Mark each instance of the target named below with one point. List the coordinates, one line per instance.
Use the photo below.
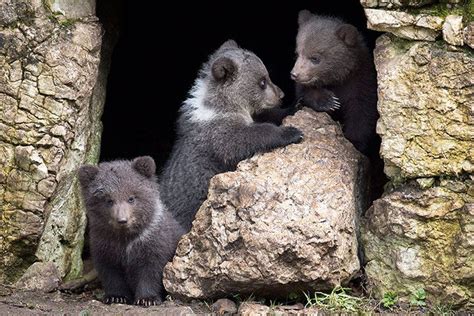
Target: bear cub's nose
(122, 221)
(294, 76)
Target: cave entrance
(160, 50)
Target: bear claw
(115, 300)
(336, 105)
(147, 302)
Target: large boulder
(417, 238)
(426, 108)
(283, 221)
(51, 100)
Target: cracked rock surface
(426, 108)
(50, 109)
(423, 238)
(282, 222)
(422, 20)
(420, 234)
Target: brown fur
(132, 236)
(334, 72)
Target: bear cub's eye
(315, 60)
(110, 202)
(131, 200)
(263, 83)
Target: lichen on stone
(48, 127)
(425, 105)
(422, 238)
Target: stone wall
(51, 100)
(420, 234)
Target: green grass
(418, 297)
(337, 300)
(443, 310)
(389, 299)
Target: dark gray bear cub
(132, 235)
(216, 128)
(334, 72)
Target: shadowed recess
(161, 49)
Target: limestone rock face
(282, 222)
(468, 34)
(71, 9)
(49, 124)
(394, 3)
(420, 234)
(426, 108)
(405, 25)
(421, 20)
(452, 30)
(423, 238)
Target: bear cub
(217, 127)
(334, 73)
(132, 236)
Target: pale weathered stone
(71, 9)
(394, 3)
(415, 238)
(468, 34)
(282, 222)
(224, 306)
(49, 125)
(453, 30)
(406, 25)
(42, 276)
(253, 309)
(426, 108)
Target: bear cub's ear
(145, 166)
(229, 44)
(304, 16)
(87, 174)
(348, 33)
(223, 68)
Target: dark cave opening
(159, 52)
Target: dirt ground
(13, 302)
(87, 303)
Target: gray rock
(282, 222)
(453, 30)
(253, 309)
(43, 276)
(468, 34)
(426, 108)
(73, 9)
(389, 4)
(404, 24)
(224, 306)
(415, 238)
(50, 124)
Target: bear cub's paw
(292, 135)
(148, 301)
(328, 101)
(116, 300)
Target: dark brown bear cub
(132, 235)
(334, 73)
